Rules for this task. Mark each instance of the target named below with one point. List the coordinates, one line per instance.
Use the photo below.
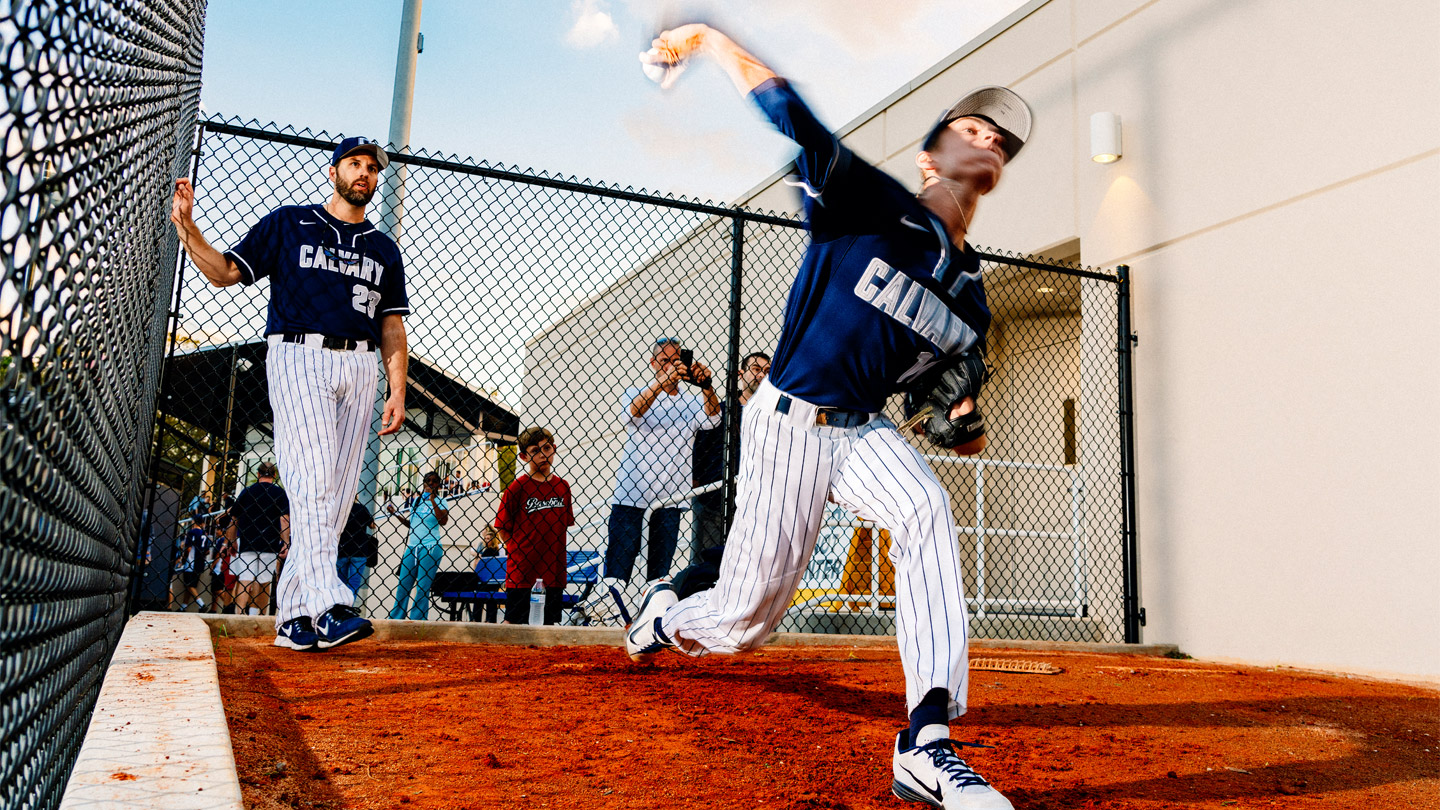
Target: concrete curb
(158, 738)
(486, 633)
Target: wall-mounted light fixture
(1105, 137)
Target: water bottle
(537, 602)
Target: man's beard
(350, 195)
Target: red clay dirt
(479, 727)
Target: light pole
(392, 204)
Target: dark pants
(707, 516)
(624, 544)
(517, 605)
(352, 572)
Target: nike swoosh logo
(935, 791)
(303, 222)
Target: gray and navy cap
(1005, 110)
(350, 146)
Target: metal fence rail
(100, 100)
(537, 301)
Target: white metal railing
(1076, 605)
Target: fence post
(1125, 339)
(732, 383)
(142, 544)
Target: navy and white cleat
(643, 637)
(935, 774)
(341, 624)
(297, 634)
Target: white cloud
(593, 24)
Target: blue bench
(468, 591)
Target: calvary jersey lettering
(328, 276)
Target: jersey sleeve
(836, 184)
(258, 250)
(569, 504)
(394, 299)
(820, 152)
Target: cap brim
(1001, 106)
(369, 149)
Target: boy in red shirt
(535, 511)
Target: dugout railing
(537, 300)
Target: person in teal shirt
(423, 552)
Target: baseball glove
(929, 398)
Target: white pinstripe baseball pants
(788, 468)
(324, 402)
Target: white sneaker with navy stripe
(935, 774)
(643, 637)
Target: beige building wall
(1279, 204)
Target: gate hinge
(1142, 617)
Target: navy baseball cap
(1005, 110)
(350, 146)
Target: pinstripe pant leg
(307, 388)
(783, 482)
(885, 480)
(354, 412)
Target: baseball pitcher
(888, 297)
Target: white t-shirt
(658, 448)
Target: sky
(556, 85)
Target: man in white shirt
(661, 422)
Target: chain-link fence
(100, 100)
(537, 301)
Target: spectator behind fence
(260, 533)
(358, 547)
(423, 552)
(222, 581)
(190, 558)
(661, 421)
(489, 544)
(707, 515)
(535, 510)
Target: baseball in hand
(660, 70)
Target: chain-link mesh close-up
(101, 100)
(631, 328)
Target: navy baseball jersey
(881, 292)
(327, 276)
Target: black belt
(339, 344)
(830, 417)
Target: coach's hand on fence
(394, 415)
(182, 205)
